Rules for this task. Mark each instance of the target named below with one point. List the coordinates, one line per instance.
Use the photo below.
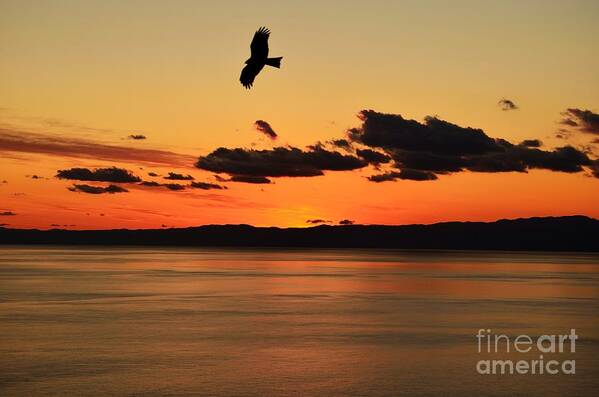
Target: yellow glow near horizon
(169, 70)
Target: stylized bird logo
(258, 58)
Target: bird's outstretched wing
(259, 46)
(249, 73)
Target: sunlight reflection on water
(147, 321)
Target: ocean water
(105, 321)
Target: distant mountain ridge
(567, 233)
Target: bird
(258, 58)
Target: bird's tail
(274, 62)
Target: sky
(79, 79)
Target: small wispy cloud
(265, 128)
(173, 176)
(506, 104)
(206, 186)
(137, 137)
(169, 186)
(111, 189)
(19, 141)
(584, 119)
(317, 221)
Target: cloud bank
(422, 151)
(242, 163)
(403, 149)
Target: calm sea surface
(237, 322)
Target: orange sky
(88, 74)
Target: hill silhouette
(569, 233)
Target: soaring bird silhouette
(258, 58)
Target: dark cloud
(7, 213)
(97, 189)
(317, 221)
(372, 156)
(35, 176)
(206, 186)
(174, 186)
(439, 163)
(595, 168)
(424, 150)
(179, 177)
(112, 174)
(406, 173)
(506, 104)
(386, 177)
(419, 151)
(278, 162)
(317, 146)
(169, 186)
(586, 120)
(587, 149)
(563, 134)
(392, 132)
(150, 183)
(569, 122)
(4, 224)
(137, 137)
(346, 222)
(152, 174)
(416, 175)
(249, 179)
(18, 141)
(266, 129)
(341, 143)
(517, 158)
(531, 143)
